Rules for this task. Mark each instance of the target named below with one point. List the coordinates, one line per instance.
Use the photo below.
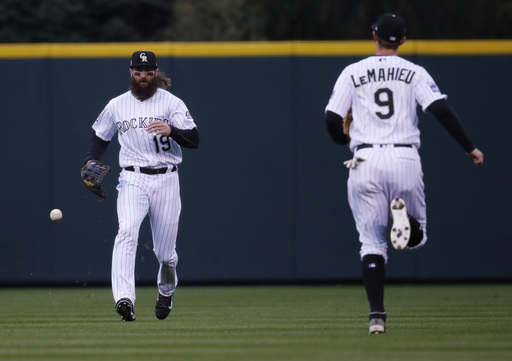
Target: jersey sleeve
(105, 126)
(341, 101)
(426, 90)
(181, 117)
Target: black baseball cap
(389, 27)
(143, 58)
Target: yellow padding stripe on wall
(251, 49)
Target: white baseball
(56, 215)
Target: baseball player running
(151, 124)
(385, 173)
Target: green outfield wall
(264, 197)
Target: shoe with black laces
(163, 306)
(125, 308)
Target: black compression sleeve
(444, 112)
(334, 124)
(188, 138)
(97, 148)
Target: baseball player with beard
(152, 126)
(385, 174)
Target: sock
(373, 267)
(416, 232)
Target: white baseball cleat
(377, 325)
(401, 229)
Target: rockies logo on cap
(143, 58)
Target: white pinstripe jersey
(383, 92)
(130, 117)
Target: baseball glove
(93, 173)
(346, 123)
(352, 163)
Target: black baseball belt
(152, 170)
(362, 146)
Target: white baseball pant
(386, 173)
(159, 197)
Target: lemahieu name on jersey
(389, 74)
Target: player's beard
(142, 92)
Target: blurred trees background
(32, 21)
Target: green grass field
(425, 322)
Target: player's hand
(478, 156)
(159, 127)
(352, 163)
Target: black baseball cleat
(124, 307)
(163, 306)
